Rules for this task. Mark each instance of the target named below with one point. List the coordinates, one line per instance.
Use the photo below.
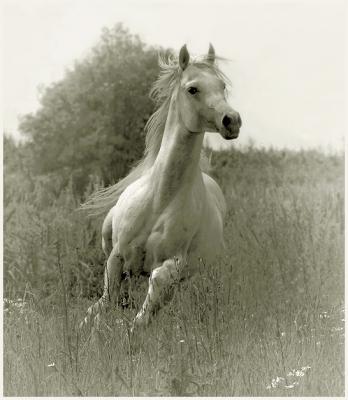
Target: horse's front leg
(112, 283)
(160, 289)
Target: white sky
(287, 69)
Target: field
(266, 319)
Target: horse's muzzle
(230, 125)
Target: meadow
(266, 319)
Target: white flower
(305, 368)
(292, 385)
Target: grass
(265, 320)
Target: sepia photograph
(174, 198)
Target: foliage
(90, 123)
(271, 304)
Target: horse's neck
(177, 163)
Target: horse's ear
(211, 54)
(184, 57)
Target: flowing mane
(167, 224)
(104, 199)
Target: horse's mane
(104, 199)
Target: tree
(91, 122)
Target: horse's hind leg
(160, 289)
(112, 282)
(107, 234)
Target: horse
(166, 215)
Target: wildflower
(51, 365)
(292, 385)
(299, 372)
(305, 368)
(337, 329)
(276, 381)
(182, 341)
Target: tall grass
(265, 319)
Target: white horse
(167, 215)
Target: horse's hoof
(140, 321)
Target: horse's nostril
(226, 121)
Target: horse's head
(202, 100)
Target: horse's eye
(192, 90)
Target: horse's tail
(104, 199)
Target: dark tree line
(90, 124)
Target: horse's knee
(157, 277)
(165, 275)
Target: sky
(286, 57)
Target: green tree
(91, 122)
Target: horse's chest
(172, 231)
(161, 231)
